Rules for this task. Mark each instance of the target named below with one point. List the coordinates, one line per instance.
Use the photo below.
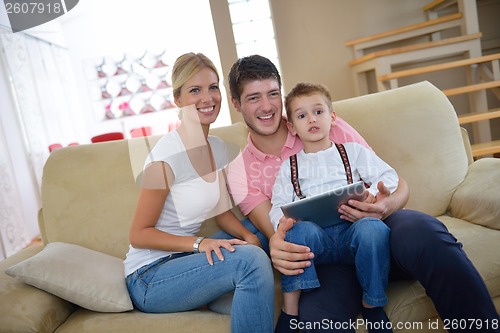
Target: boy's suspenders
(295, 170)
(345, 160)
(294, 174)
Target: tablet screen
(323, 208)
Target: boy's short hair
(251, 68)
(306, 89)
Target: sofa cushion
(27, 309)
(408, 301)
(89, 196)
(82, 276)
(415, 129)
(481, 246)
(203, 321)
(476, 199)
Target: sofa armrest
(476, 199)
(24, 308)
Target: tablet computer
(322, 209)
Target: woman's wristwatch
(196, 245)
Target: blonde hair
(186, 66)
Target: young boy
(323, 166)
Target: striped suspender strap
(294, 173)
(294, 170)
(345, 160)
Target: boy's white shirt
(323, 171)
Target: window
(253, 28)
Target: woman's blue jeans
(364, 244)
(186, 281)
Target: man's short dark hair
(251, 68)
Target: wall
(489, 24)
(311, 35)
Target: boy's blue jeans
(364, 244)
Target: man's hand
(380, 208)
(288, 258)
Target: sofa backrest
(89, 192)
(415, 129)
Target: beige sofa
(89, 195)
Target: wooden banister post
(470, 23)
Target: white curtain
(41, 86)
(13, 235)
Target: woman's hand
(208, 245)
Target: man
(420, 244)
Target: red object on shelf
(54, 146)
(126, 110)
(108, 137)
(140, 131)
(73, 144)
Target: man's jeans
(364, 244)
(421, 249)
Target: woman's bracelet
(196, 245)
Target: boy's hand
(288, 258)
(377, 207)
(369, 198)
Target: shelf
(126, 87)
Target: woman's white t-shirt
(190, 200)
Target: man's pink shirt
(252, 174)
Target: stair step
(432, 5)
(471, 88)
(439, 67)
(474, 117)
(485, 148)
(415, 47)
(428, 23)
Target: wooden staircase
(377, 60)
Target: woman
(168, 268)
